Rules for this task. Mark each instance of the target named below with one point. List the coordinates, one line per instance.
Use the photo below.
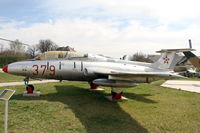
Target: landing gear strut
(26, 80)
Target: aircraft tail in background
(192, 58)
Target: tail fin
(168, 59)
(192, 58)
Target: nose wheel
(29, 89)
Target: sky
(109, 27)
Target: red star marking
(166, 60)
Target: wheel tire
(30, 87)
(93, 86)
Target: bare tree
(46, 45)
(1, 48)
(32, 51)
(17, 46)
(8, 53)
(140, 57)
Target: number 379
(43, 69)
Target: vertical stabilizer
(168, 59)
(193, 59)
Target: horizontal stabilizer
(175, 50)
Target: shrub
(4, 60)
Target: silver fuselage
(75, 70)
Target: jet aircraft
(99, 71)
(193, 59)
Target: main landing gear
(94, 87)
(29, 89)
(116, 94)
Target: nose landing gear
(29, 89)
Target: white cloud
(76, 23)
(166, 12)
(90, 36)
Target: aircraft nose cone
(5, 69)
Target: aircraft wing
(127, 74)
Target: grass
(69, 107)
(194, 78)
(5, 77)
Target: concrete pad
(97, 89)
(34, 94)
(192, 86)
(110, 98)
(31, 82)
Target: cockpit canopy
(58, 55)
(71, 55)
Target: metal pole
(190, 43)
(6, 117)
